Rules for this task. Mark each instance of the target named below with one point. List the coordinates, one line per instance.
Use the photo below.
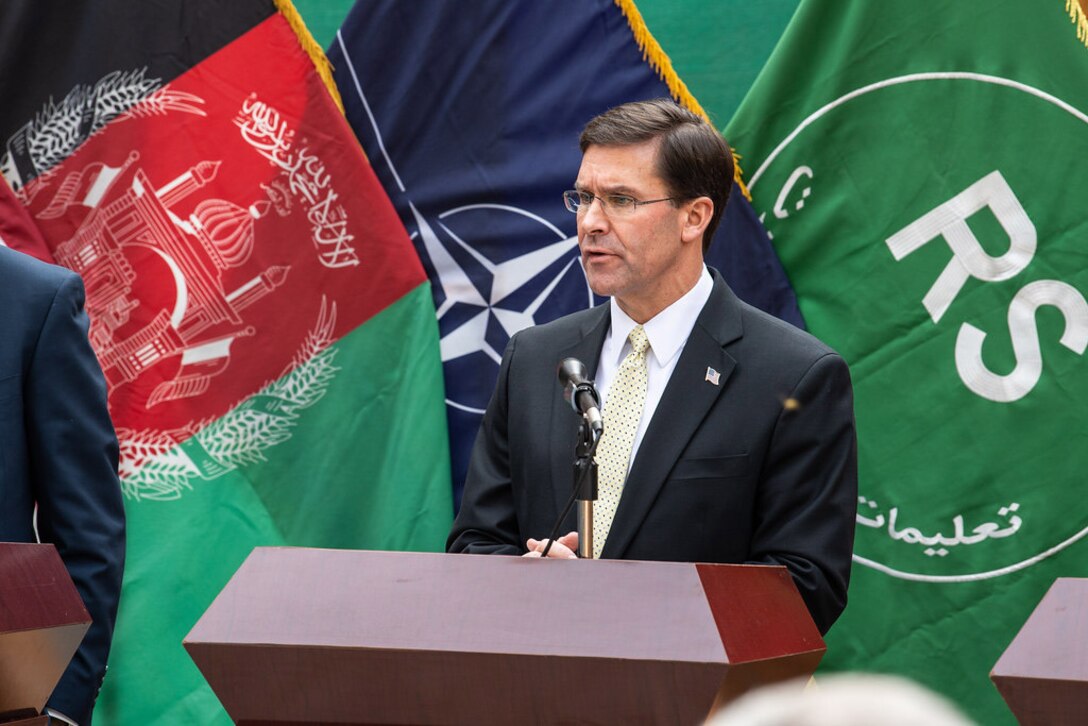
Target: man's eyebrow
(621, 189)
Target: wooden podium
(42, 623)
(342, 636)
(1043, 674)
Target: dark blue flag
(470, 113)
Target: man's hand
(564, 547)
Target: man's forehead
(619, 168)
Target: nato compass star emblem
(495, 270)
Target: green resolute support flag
(264, 325)
(921, 170)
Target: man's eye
(620, 202)
(585, 198)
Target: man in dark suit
(732, 433)
(58, 450)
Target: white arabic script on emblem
(305, 176)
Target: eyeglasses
(579, 202)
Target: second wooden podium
(338, 636)
(42, 622)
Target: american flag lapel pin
(712, 375)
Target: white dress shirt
(668, 331)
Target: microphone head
(574, 378)
(571, 372)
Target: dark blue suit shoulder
(21, 273)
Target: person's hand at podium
(564, 548)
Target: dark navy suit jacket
(58, 449)
(760, 467)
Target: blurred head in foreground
(849, 699)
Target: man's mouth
(595, 253)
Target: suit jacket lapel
(587, 348)
(683, 406)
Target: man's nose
(593, 220)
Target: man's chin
(601, 285)
(603, 276)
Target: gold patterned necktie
(623, 410)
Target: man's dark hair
(693, 159)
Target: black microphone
(580, 393)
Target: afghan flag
(922, 174)
(262, 319)
(470, 113)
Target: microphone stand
(585, 486)
(584, 492)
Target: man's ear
(699, 211)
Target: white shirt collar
(669, 329)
